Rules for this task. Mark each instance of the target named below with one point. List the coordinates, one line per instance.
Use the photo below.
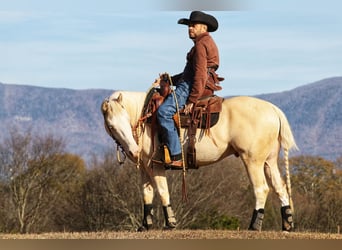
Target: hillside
(73, 115)
(314, 112)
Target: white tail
(287, 142)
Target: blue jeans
(165, 115)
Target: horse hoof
(142, 229)
(169, 228)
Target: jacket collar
(201, 36)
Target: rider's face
(195, 29)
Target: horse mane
(132, 102)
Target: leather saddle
(204, 116)
(205, 113)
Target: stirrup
(176, 165)
(161, 156)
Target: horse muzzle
(134, 154)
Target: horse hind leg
(261, 189)
(274, 178)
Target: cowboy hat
(201, 17)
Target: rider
(197, 80)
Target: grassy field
(177, 234)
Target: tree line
(45, 189)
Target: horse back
(251, 124)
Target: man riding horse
(198, 79)
(240, 117)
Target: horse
(250, 128)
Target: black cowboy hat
(201, 17)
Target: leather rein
(136, 131)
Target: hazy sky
(265, 46)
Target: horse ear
(119, 99)
(104, 107)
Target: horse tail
(287, 142)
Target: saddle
(205, 115)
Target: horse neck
(133, 104)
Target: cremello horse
(248, 127)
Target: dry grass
(176, 234)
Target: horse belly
(212, 147)
(207, 152)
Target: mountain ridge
(313, 111)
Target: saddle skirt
(205, 113)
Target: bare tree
(222, 189)
(34, 168)
(317, 187)
(111, 196)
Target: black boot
(148, 218)
(170, 219)
(287, 219)
(257, 218)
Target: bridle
(119, 148)
(136, 131)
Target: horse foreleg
(148, 194)
(163, 190)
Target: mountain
(313, 110)
(315, 114)
(73, 115)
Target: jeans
(165, 115)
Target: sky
(265, 46)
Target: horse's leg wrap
(170, 219)
(287, 219)
(148, 218)
(257, 218)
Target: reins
(144, 117)
(118, 146)
(137, 131)
(184, 191)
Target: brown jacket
(202, 57)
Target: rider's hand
(188, 108)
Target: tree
(64, 212)
(35, 170)
(318, 189)
(111, 196)
(222, 189)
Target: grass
(177, 234)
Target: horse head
(118, 125)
